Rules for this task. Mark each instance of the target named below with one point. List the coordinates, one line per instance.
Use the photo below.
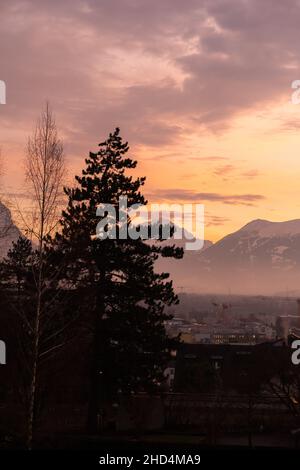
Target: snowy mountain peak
(263, 257)
(266, 228)
(8, 231)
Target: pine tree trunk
(98, 348)
(93, 404)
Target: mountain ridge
(262, 257)
(9, 232)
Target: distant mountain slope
(259, 244)
(184, 272)
(261, 257)
(8, 231)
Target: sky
(201, 89)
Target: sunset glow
(207, 112)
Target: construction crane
(220, 309)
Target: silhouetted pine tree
(121, 291)
(18, 277)
(15, 268)
(17, 282)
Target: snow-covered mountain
(261, 257)
(8, 231)
(265, 228)
(259, 243)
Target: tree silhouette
(124, 295)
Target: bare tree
(44, 164)
(3, 228)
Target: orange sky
(201, 90)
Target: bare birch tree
(44, 165)
(3, 228)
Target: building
(238, 368)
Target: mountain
(262, 257)
(184, 272)
(8, 230)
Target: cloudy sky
(200, 88)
